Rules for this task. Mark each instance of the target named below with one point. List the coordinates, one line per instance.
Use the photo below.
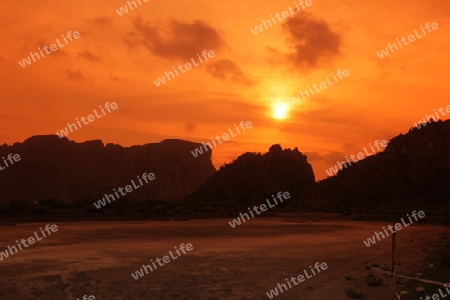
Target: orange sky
(118, 57)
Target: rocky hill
(253, 177)
(63, 170)
(412, 173)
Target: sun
(280, 110)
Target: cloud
(177, 40)
(87, 55)
(47, 42)
(226, 69)
(311, 40)
(60, 53)
(75, 75)
(132, 40)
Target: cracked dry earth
(97, 258)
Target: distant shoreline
(298, 217)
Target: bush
(372, 280)
(19, 205)
(179, 209)
(40, 210)
(51, 203)
(207, 209)
(142, 210)
(120, 209)
(160, 209)
(4, 209)
(92, 208)
(354, 294)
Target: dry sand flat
(242, 263)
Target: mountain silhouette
(253, 177)
(412, 173)
(66, 171)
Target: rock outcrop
(63, 170)
(412, 173)
(253, 177)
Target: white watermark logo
(339, 165)
(225, 137)
(262, 207)
(438, 296)
(166, 259)
(323, 85)
(53, 48)
(124, 9)
(285, 14)
(31, 240)
(110, 197)
(397, 226)
(297, 280)
(85, 297)
(10, 158)
(411, 38)
(428, 118)
(188, 66)
(90, 118)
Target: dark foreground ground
(98, 258)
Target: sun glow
(280, 110)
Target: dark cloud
(225, 69)
(87, 55)
(75, 75)
(311, 40)
(60, 53)
(132, 40)
(34, 44)
(177, 40)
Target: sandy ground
(242, 263)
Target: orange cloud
(226, 69)
(311, 39)
(177, 40)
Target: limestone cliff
(253, 177)
(59, 169)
